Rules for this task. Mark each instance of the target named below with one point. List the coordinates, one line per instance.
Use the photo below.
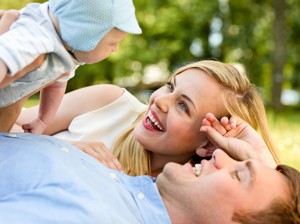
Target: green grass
(32, 101)
(285, 128)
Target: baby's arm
(240, 141)
(87, 99)
(50, 99)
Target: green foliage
(173, 29)
(285, 131)
(8, 4)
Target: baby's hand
(99, 151)
(37, 126)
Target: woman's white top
(105, 124)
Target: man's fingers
(7, 19)
(215, 137)
(2, 13)
(203, 152)
(215, 124)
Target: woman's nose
(163, 102)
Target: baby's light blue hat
(83, 23)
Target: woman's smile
(151, 122)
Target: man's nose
(221, 159)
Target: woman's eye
(170, 86)
(183, 106)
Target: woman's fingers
(105, 155)
(99, 151)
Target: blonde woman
(143, 138)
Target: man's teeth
(197, 169)
(155, 122)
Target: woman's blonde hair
(241, 99)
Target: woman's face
(175, 113)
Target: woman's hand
(99, 151)
(237, 138)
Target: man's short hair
(279, 211)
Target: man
(46, 180)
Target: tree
(263, 35)
(279, 56)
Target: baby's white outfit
(30, 36)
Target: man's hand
(237, 138)
(7, 18)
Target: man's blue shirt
(46, 180)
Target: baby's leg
(9, 115)
(34, 65)
(7, 19)
(3, 72)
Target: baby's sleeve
(22, 44)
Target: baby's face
(108, 44)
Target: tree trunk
(279, 56)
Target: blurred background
(259, 36)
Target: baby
(70, 33)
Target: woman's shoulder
(108, 94)
(107, 89)
(101, 94)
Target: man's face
(224, 187)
